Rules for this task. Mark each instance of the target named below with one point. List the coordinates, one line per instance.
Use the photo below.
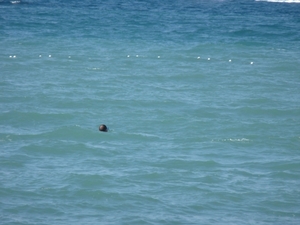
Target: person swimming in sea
(103, 128)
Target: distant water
(202, 99)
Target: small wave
(279, 1)
(94, 68)
(185, 164)
(231, 140)
(146, 135)
(137, 136)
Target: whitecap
(279, 1)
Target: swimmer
(103, 128)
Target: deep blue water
(201, 99)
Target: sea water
(201, 98)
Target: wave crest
(279, 1)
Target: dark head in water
(103, 128)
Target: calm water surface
(201, 99)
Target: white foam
(231, 140)
(95, 68)
(238, 139)
(279, 1)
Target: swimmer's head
(103, 128)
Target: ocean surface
(201, 97)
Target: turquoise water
(201, 99)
